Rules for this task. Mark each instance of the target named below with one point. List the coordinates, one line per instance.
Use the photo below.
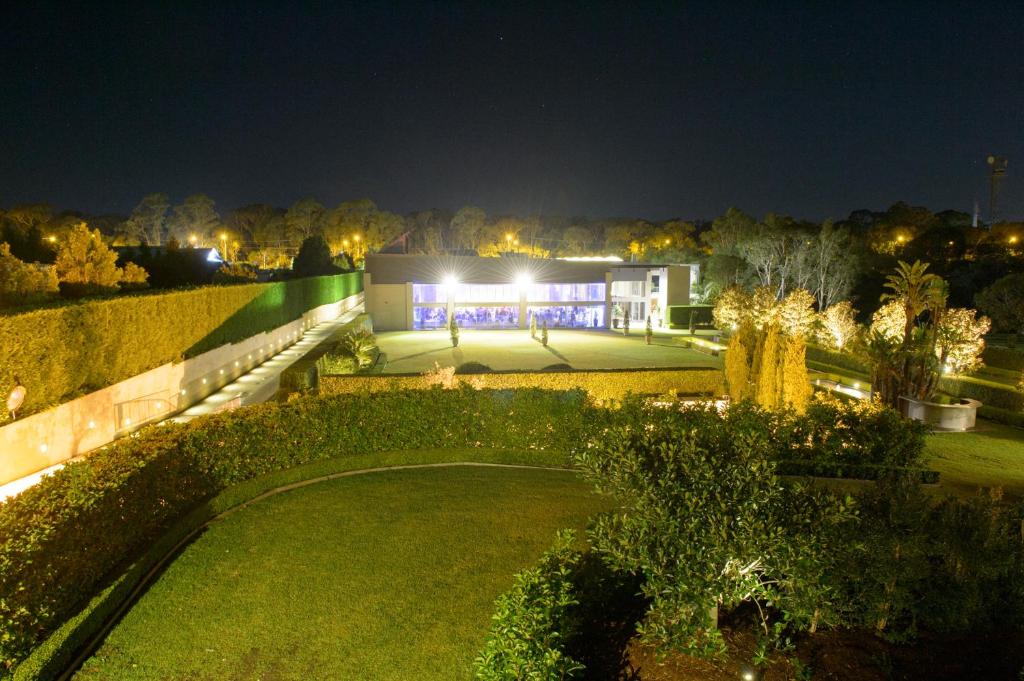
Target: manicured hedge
(679, 316)
(62, 352)
(600, 385)
(62, 541)
(1001, 397)
(841, 360)
(1003, 358)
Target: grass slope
(991, 456)
(383, 576)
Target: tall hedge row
(64, 539)
(602, 386)
(64, 351)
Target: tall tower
(997, 171)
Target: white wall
(79, 426)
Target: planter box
(959, 416)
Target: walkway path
(258, 385)
(261, 383)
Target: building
(424, 291)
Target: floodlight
(523, 279)
(450, 282)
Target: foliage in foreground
(126, 496)
(706, 523)
(532, 620)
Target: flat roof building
(424, 291)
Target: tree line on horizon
(834, 260)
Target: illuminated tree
(838, 325)
(768, 388)
(890, 321)
(763, 307)
(22, 283)
(960, 340)
(133, 277)
(796, 385)
(86, 264)
(795, 313)
(907, 363)
(731, 306)
(738, 357)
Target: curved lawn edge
(64, 651)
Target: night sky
(651, 111)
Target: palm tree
(919, 290)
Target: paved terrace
(416, 351)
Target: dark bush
(561, 366)
(679, 316)
(472, 368)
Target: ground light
(748, 673)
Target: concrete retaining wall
(79, 426)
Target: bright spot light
(523, 279)
(43, 448)
(53, 240)
(1013, 239)
(450, 282)
(856, 385)
(947, 369)
(92, 424)
(735, 326)
(182, 392)
(204, 381)
(236, 362)
(127, 421)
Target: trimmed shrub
(472, 368)
(1003, 358)
(602, 386)
(841, 360)
(679, 316)
(1001, 397)
(126, 496)
(118, 338)
(1010, 418)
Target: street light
(523, 279)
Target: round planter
(960, 416)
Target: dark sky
(645, 110)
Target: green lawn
(416, 351)
(992, 455)
(387, 575)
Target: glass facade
(570, 316)
(633, 289)
(429, 293)
(570, 293)
(429, 317)
(489, 317)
